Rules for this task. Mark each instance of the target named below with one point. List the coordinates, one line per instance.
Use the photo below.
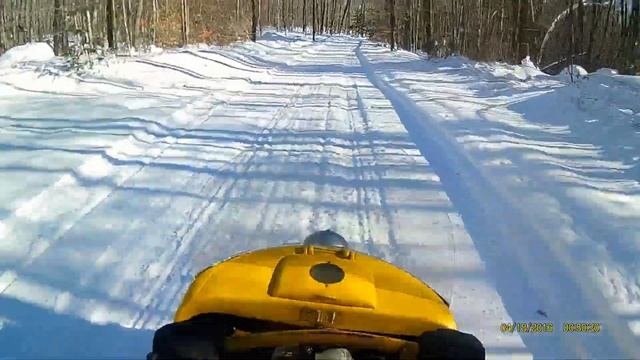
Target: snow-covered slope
(513, 193)
(26, 53)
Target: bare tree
(391, 4)
(332, 15)
(322, 13)
(254, 19)
(347, 8)
(3, 38)
(125, 21)
(58, 26)
(304, 16)
(111, 21)
(426, 25)
(185, 22)
(284, 14)
(154, 19)
(137, 31)
(315, 23)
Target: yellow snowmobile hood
(317, 287)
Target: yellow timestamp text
(579, 327)
(527, 327)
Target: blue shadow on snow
(31, 332)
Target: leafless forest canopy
(555, 33)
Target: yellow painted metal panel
(374, 296)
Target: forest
(553, 33)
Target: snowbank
(616, 95)
(525, 71)
(25, 53)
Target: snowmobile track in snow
(219, 192)
(50, 195)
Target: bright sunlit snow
(513, 193)
(26, 53)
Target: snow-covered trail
(118, 186)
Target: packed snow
(31, 52)
(513, 193)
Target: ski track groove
(261, 227)
(315, 222)
(332, 214)
(261, 142)
(364, 216)
(381, 190)
(183, 251)
(130, 229)
(358, 172)
(93, 204)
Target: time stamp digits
(548, 327)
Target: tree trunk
(155, 19)
(3, 38)
(522, 32)
(99, 28)
(185, 22)
(254, 20)
(18, 21)
(461, 26)
(268, 12)
(364, 14)
(606, 30)
(260, 16)
(89, 23)
(392, 23)
(292, 18)
(111, 21)
(635, 23)
(14, 27)
(344, 15)
(326, 16)
(580, 35)
(572, 43)
(322, 9)
(276, 15)
(304, 16)
(332, 16)
(314, 19)
(427, 25)
(348, 24)
(406, 26)
(130, 21)
(28, 8)
(478, 43)
(137, 31)
(502, 29)
(33, 29)
(58, 27)
(284, 14)
(125, 21)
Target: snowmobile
(317, 300)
